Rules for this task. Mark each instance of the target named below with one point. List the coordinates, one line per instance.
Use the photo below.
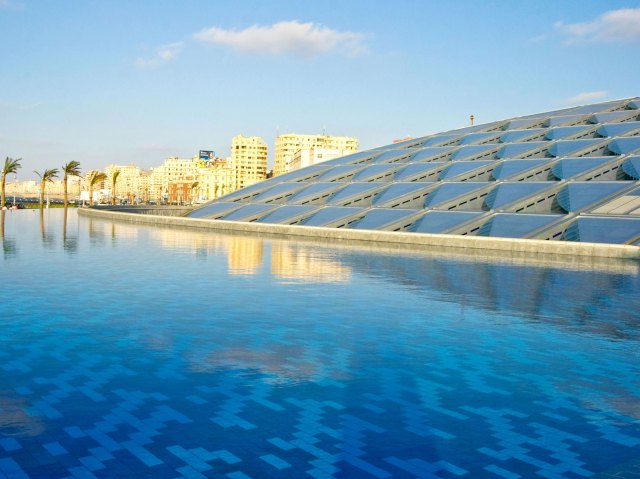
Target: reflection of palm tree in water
(8, 244)
(68, 244)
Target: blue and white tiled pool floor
(114, 365)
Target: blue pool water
(130, 352)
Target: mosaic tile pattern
(144, 353)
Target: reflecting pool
(132, 351)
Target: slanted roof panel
(449, 191)
(215, 210)
(509, 168)
(288, 214)
(577, 196)
(516, 225)
(335, 216)
(387, 219)
(570, 167)
(439, 222)
(506, 193)
(618, 230)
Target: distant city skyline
(135, 83)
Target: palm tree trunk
(42, 194)
(4, 179)
(65, 191)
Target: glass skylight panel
(577, 196)
(516, 225)
(387, 219)
(619, 129)
(460, 167)
(590, 229)
(569, 131)
(570, 167)
(215, 210)
(537, 149)
(354, 158)
(515, 136)
(304, 174)
(566, 120)
(278, 193)
(634, 104)
(392, 156)
(341, 173)
(524, 123)
(356, 192)
(506, 193)
(624, 146)
(435, 153)
(420, 172)
(378, 172)
(335, 216)
(632, 167)
(438, 222)
(585, 147)
(288, 214)
(315, 193)
(249, 212)
(615, 116)
(448, 191)
(474, 151)
(479, 138)
(250, 191)
(397, 193)
(442, 140)
(598, 107)
(509, 168)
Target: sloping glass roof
(516, 225)
(288, 214)
(335, 216)
(398, 194)
(550, 170)
(604, 230)
(506, 193)
(387, 219)
(509, 168)
(577, 196)
(570, 167)
(439, 222)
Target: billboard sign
(207, 155)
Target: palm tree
(70, 169)
(194, 185)
(114, 178)
(47, 175)
(10, 166)
(94, 178)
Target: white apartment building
(287, 146)
(249, 158)
(311, 156)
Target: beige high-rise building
(249, 158)
(131, 184)
(173, 169)
(287, 146)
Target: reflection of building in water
(189, 240)
(245, 254)
(289, 262)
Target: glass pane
(249, 212)
(398, 191)
(443, 221)
(521, 135)
(314, 192)
(448, 191)
(356, 192)
(570, 167)
(473, 151)
(566, 131)
(392, 156)
(506, 193)
(509, 168)
(516, 225)
(303, 174)
(377, 171)
(278, 192)
(460, 167)
(581, 110)
(386, 218)
(439, 153)
(333, 216)
(481, 137)
(442, 140)
(606, 230)
(623, 146)
(614, 116)
(420, 171)
(522, 150)
(578, 147)
(214, 210)
(566, 120)
(341, 173)
(619, 129)
(632, 167)
(288, 214)
(579, 195)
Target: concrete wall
(479, 243)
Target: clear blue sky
(137, 81)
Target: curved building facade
(569, 175)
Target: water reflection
(69, 243)
(48, 239)
(9, 249)
(295, 262)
